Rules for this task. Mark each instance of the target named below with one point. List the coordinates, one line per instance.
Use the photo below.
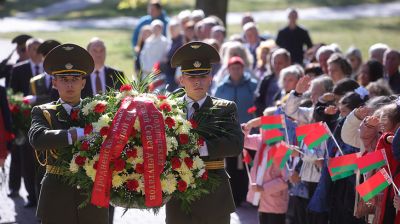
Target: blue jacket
(242, 94)
(146, 20)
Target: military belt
(54, 170)
(214, 165)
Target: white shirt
(33, 68)
(190, 110)
(102, 75)
(154, 50)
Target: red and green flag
(342, 166)
(272, 136)
(247, 158)
(312, 134)
(371, 161)
(282, 154)
(374, 185)
(271, 155)
(272, 122)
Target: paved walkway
(12, 211)
(25, 23)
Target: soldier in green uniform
(54, 131)
(41, 88)
(195, 60)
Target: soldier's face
(69, 87)
(196, 86)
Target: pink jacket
(275, 197)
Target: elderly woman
(262, 52)
(338, 67)
(354, 57)
(288, 79)
(371, 71)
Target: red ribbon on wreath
(154, 149)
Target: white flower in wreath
(183, 154)
(88, 108)
(168, 184)
(172, 144)
(137, 124)
(90, 171)
(117, 181)
(198, 163)
(73, 167)
(141, 186)
(184, 128)
(103, 121)
(200, 173)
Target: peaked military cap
(195, 58)
(68, 59)
(47, 46)
(21, 39)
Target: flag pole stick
(248, 173)
(390, 172)
(287, 136)
(333, 137)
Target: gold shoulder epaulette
(37, 77)
(48, 106)
(221, 102)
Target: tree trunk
(214, 7)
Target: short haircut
(344, 65)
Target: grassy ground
(360, 32)
(109, 7)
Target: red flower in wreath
(200, 141)
(14, 108)
(161, 97)
(189, 162)
(100, 108)
(170, 122)
(194, 123)
(85, 146)
(26, 113)
(183, 139)
(88, 129)
(205, 175)
(119, 165)
(176, 163)
(139, 168)
(104, 131)
(132, 185)
(80, 160)
(165, 107)
(74, 115)
(131, 153)
(182, 186)
(125, 87)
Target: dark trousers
(238, 179)
(14, 182)
(270, 218)
(29, 168)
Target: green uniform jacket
(216, 206)
(58, 202)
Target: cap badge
(197, 64)
(68, 66)
(68, 48)
(195, 46)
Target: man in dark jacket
(294, 37)
(103, 77)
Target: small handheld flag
(374, 185)
(272, 122)
(371, 161)
(272, 136)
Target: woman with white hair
(288, 79)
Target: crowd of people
(284, 74)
